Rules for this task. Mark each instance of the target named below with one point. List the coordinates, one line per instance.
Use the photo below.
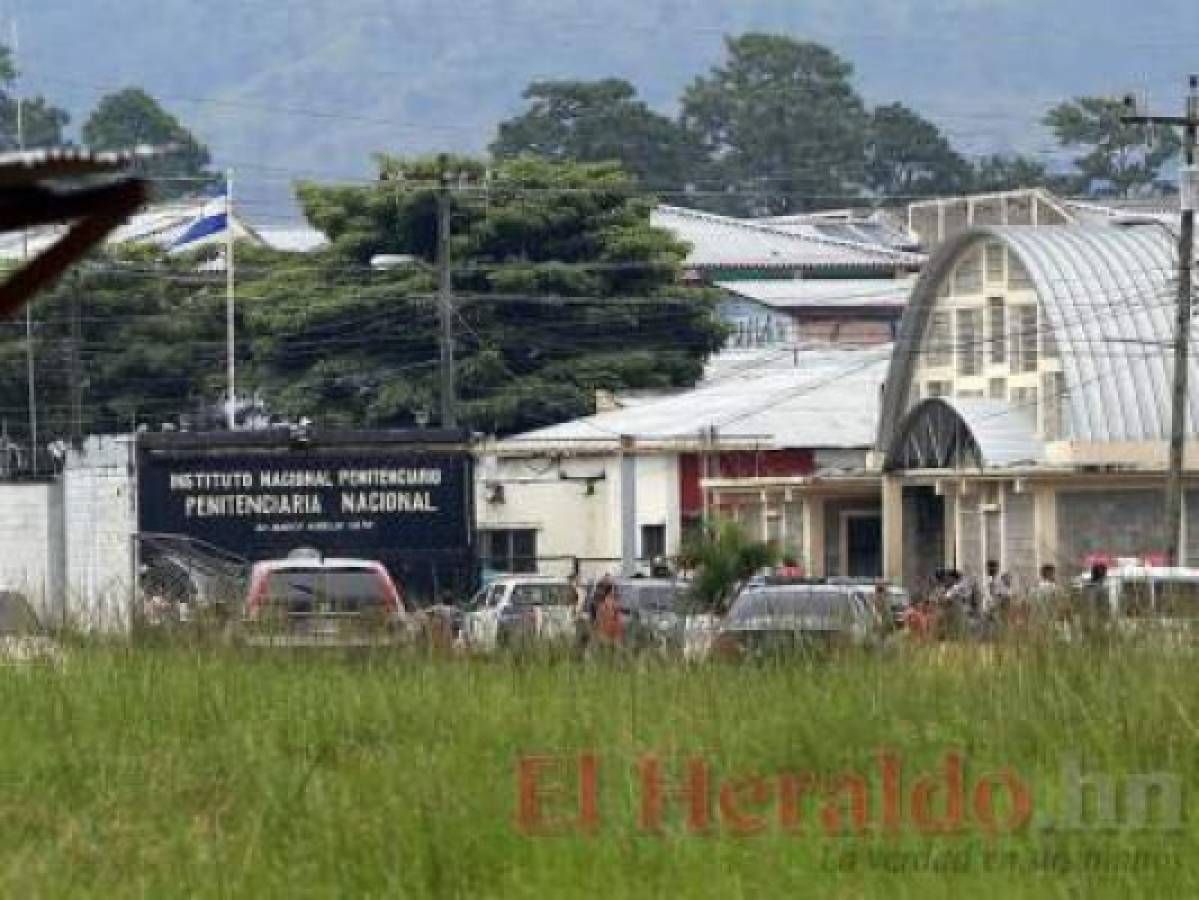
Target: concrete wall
(99, 498)
(68, 545)
(969, 534)
(1115, 522)
(1119, 523)
(31, 545)
(1019, 534)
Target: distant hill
(315, 86)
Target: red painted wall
(738, 464)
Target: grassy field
(170, 772)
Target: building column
(949, 552)
(813, 536)
(1045, 524)
(893, 528)
(628, 507)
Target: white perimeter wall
(99, 497)
(68, 546)
(31, 545)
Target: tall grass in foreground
(203, 772)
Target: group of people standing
(956, 607)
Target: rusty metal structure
(92, 194)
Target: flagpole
(230, 307)
(30, 358)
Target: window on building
(938, 389)
(969, 343)
(970, 395)
(997, 388)
(653, 541)
(1029, 338)
(1048, 342)
(940, 340)
(995, 256)
(1053, 389)
(997, 325)
(968, 277)
(1017, 276)
(509, 550)
(1024, 401)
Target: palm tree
(723, 556)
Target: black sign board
(381, 496)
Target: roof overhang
(944, 433)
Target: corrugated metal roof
(874, 229)
(293, 240)
(160, 225)
(824, 293)
(1121, 212)
(720, 242)
(779, 399)
(1107, 294)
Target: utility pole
(1189, 183)
(230, 309)
(445, 300)
(628, 506)
(30, 358)
(75, 374)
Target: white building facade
(554, 500)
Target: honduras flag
(212, 222)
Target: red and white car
(310, 599)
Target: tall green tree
(150, 348)
(783, 124)
(41, 122)
(908, 156)
(723, 556)
(1116, 156)
(564, 288)
(132, 117)
(999, 172)
(598, 121)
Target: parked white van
(518, 607)
(1144, 599)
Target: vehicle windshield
(312, 590)
(781, 608)
(656, 598)
(543, 595)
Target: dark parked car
(770, 618)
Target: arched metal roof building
(1106, 293)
